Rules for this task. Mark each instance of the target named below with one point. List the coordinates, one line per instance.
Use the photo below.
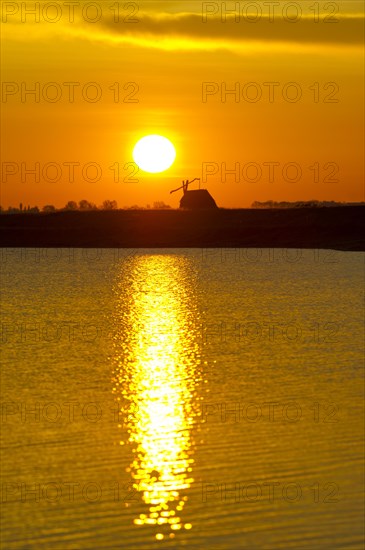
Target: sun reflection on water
(157, 373)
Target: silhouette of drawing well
(198, 199)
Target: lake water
(182, 399)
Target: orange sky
(168, 54)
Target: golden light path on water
(157, 374)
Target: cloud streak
(348, 30)
(189, 32)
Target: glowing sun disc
(154, 153)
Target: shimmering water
(182, 399)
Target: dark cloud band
(348, 30)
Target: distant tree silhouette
(71, 205)
(86, 205)
(110, 205)
(160, 205)
(49, 208)
(297, 204)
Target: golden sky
(161, 57)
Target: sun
(154, 153)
